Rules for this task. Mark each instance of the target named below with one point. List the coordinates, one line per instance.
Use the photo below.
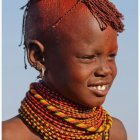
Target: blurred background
(122, 101)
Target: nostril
(100, 75)
(102, 71)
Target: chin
(95, 103)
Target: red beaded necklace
(55, 117)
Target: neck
(50, 92)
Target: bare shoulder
(15, 129)
(118, 132)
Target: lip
(96, 91)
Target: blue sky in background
(122, 101)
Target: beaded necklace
(55, 117)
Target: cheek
(114, 70)
(78, 72)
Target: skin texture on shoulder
(117, 132)
(15, 129)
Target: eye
(112, 56)
(88, 57)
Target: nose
(103, 70)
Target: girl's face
(82, 67)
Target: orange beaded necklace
(57, 118)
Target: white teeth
(101, 87)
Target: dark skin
(86, 63)
(83, 61)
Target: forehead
(80, 27)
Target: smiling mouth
(99, 90)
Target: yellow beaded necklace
(56, 118)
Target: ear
(35, 54)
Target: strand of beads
(60, 114)
(53, 121)
(48, 131)
(74, 110)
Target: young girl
(73, 45)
